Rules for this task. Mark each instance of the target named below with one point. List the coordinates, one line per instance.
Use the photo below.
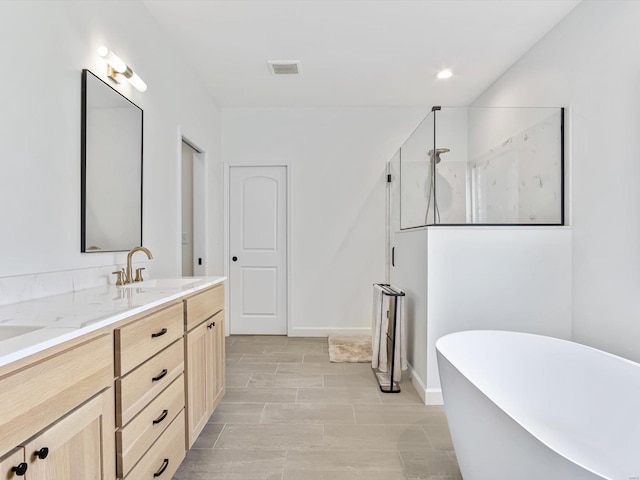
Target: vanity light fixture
(444, 74)
(116, 67)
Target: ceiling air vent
(285, 67)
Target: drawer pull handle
(42, 453)
(20, 470)
(162, 416)
(211, 325)
(161, 376)
(159, 334)
(165, 464)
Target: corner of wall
(430, 396)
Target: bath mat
(350, 349)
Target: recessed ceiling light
(446, 73)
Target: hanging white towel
(380, 324)
(378, 335)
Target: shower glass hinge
(389, 178)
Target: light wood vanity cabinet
(59, 412)
(149, 359)
(124, 402)
(204, 358)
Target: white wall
(589, 61)
(496, 278)
(337, 159)
(410, 276)
(46, 45)
(480, 278)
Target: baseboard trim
(430, 396)
(433, 396)
(326, 331)
(417, 382)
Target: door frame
(227, 236)
(200, 206)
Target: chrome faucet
(128, 277)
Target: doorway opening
(192, 228)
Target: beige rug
(350, 349)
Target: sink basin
(14, 331)
(162, 283)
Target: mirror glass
(111, 168)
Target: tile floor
(290, 414)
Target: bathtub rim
(499, 404)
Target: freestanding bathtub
(528, 407)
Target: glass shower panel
(393, 209)
(514, 166)
(451, 166)
(394, 193)
(416, 187)
(483, 165)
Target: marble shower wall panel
(519, 181)
(494, 183)
(451, 195)
(540, 186)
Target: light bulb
(112, 59)
(137, 82)
(119, 67)
(443, 74)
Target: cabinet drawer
(36, 396)
(135, 390)
(165, 456)
(145, 337)
(203, 305)
(135, 439)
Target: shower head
(438, 152)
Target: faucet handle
(119, 280)
(139, 274)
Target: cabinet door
(218, 359)
(80, 446)
(12, 466)
(198, 378)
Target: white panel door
(258, 249)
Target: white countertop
(50, 321)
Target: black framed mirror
(111, 168)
